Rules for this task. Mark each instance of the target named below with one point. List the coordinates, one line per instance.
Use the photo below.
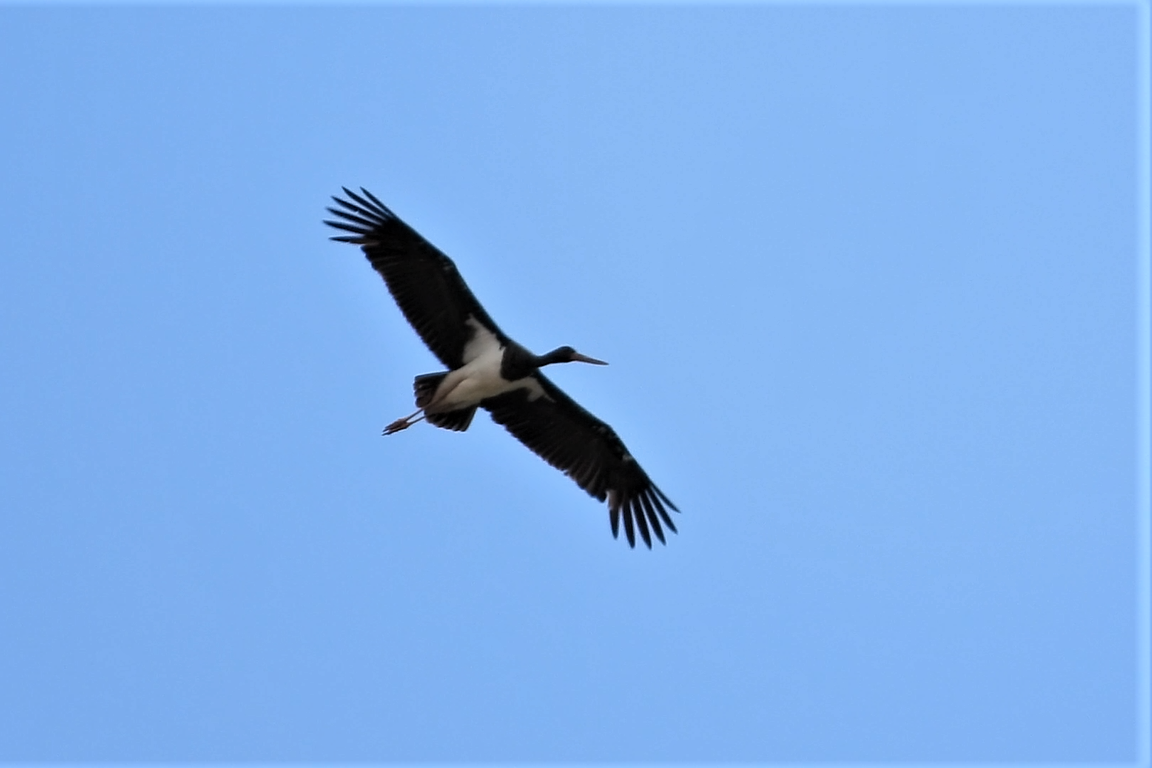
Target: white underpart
(483, 342)
(479, 378)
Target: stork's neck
(519, 362)
(559, 355)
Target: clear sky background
(867, 278)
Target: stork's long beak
(579, 358)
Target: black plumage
(423, 281)
(494, 372)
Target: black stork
(488, 369)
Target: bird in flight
(489, 370)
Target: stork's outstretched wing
(423, 281)
(586, 449)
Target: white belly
(479, 378)
(474, 382)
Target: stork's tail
(425, 387)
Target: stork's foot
(403, 423)
(396, 426)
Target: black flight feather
(568, 437)
(424, 282)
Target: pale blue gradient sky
(867, 280)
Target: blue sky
(872, 284)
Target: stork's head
(568, 355)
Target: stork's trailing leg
(403, 423)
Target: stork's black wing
(588, 451)
(422, 280)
